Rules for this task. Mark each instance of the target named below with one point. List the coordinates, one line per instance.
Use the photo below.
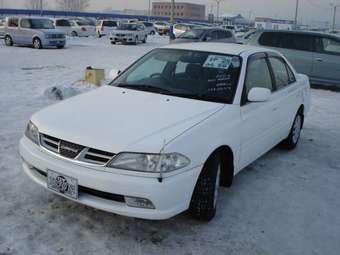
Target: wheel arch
(226, 155)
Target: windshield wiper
(142, 87)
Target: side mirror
(113, 74)
(259, 95)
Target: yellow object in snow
(94, 76)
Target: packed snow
(284, 203)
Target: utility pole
(218, 2)
(296, 14)
(334, 15)
(149, 10)
(172, 16)
(41, 7)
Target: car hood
(115, 119)
(124, 31)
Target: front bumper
(54, 42)
(121, 39)
(170, 197)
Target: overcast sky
(310, 10)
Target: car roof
(224, 48)
(300, 32)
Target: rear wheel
(136, 41)
(74, 34)
(61, 47)
(37, 43)
(204, 199)
(145, 38)
(293, 138)
(8, 40)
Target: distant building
(235, 19)
(182, 10)
(136, 12)
(276, 24)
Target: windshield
(130, 27)
(192, 34)
(41, 24)
(183, 73)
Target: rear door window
(25, 23)
(224, 34)
(292, 41)
(280, 71)
(330, 46)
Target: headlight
(32, 132)
(154, 163)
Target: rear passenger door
(326, 67)
(297, 48)
(288, 94)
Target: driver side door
(258, 119)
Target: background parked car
(105, 27)
(206, 35)
(129, 33)
(150, 28)
(312, 53)
(82, 28)
(38, 32)
(2, 28)
(180, 28)
(63, 25)
(163, 28)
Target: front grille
(56, 36)
(75, 151)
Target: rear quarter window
(292, 41)
(13, 22)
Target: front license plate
(62, 184)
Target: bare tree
(73, 5)
(34, 4)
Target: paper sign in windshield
(218, 61)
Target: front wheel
(8, 40)
(294, 136)
(74, 34)
(204, 199)
(37, 43)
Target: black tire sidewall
(202, 203)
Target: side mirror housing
(113, 74)
(259, 94)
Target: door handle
(319, 59)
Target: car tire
(294, 135)
(99, 35)
(74, 34)
(113, 42)
(61, 47)
(8, 40)
(204, 198)
(37, 43)
(136, 41)
(152, 33)
(144, 41)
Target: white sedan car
(129, 33)
(168, 131)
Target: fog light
(139, 202)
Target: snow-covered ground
(284, 203)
